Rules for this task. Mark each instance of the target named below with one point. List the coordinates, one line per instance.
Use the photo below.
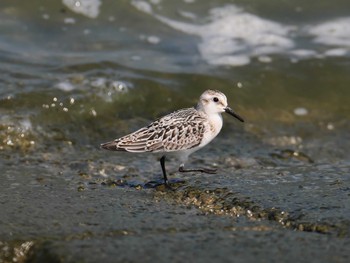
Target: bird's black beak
(232, 113)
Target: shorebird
(181, 132)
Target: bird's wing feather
(179, 130)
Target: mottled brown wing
(183, 137)
(134, 142)
(179, 130)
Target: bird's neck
(216, 118)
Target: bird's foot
(201, 170)
(165, 186)
(209, 171)
(168, 186)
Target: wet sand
(259, 205)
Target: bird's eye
(215, 99)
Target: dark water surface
(75, 74)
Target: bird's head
(213, 101)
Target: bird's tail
(111, 146)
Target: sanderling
(181, 132)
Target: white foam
(234, 37)
(304, 53)
(265, 59)
(65, 86)
(332, 33)
(99, 82)
(234, 33)
(336, 52)
(238, 60)
(143, 6)
(188, 15)
(69, 20)
(89, 8)
(153, 40)
(26, 124)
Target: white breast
(213, 128)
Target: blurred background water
(76, 73)
(79, 68)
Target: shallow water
(75, 74)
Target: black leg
(162, 164)
(203, 170)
